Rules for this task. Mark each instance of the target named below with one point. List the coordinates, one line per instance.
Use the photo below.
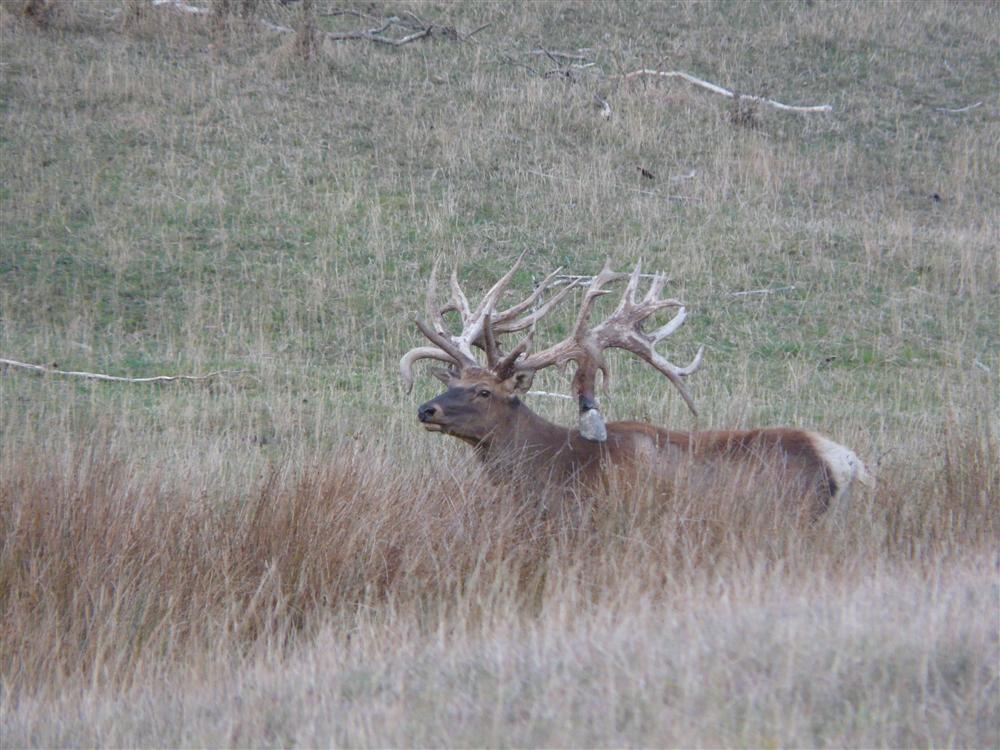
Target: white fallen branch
(376, 34)
(566, 278)
(276, 27)
(716, 89)
(958, 111)
(751, 292)
(555, 53)
(182, 7)
(53, 370)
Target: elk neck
(525, 437)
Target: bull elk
(482, 405)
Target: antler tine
(421, 352)
(475, 323)
(655, 287)
(506, 366)
(479, 327)
(458, 298)
(671, 370)
(520, 307)
(577, 346)
(695, 363)
(490, 299)
(633, 284)
(491, 348)
(513, 326)
(595, 290)
(434, 312)
(623, 330)
(675, 322)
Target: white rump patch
(843, 464)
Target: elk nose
(426, 412)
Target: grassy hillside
(284, 557)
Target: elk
(483, 405)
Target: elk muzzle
(427, 413)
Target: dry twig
(53, 370)
(716, 89)
(753, 292)
(181, 6)
(417, 28)
(958, 111)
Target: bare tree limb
(182, 7)
(716, 89)
(277, 28)
(552, 54)
(53, 370)
(568, 278)
(477, 30)
(958, 111)
(377, 35)
(418, 28)
(753, 292)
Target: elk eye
(484, 393)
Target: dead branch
(53, 370)
(477, 30)
(417, 28)
(958, 111)
(716, 89)
(568, 278)
(552, 54)
(181, 6)
(754, 292)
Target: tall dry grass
(115, 576)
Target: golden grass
(116, 574)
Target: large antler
(480, 326)
(585, 345)
(623, 330)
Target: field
(280, 556)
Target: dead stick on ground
(376, 34)
(52, 370)
(958, 111)
(181, 6)
(750, 292)
(715, 89)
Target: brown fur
(517, 444)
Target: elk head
(481, 398)
(477, 400)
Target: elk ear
(520, 382)
(445, 374)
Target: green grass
(178, 200)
